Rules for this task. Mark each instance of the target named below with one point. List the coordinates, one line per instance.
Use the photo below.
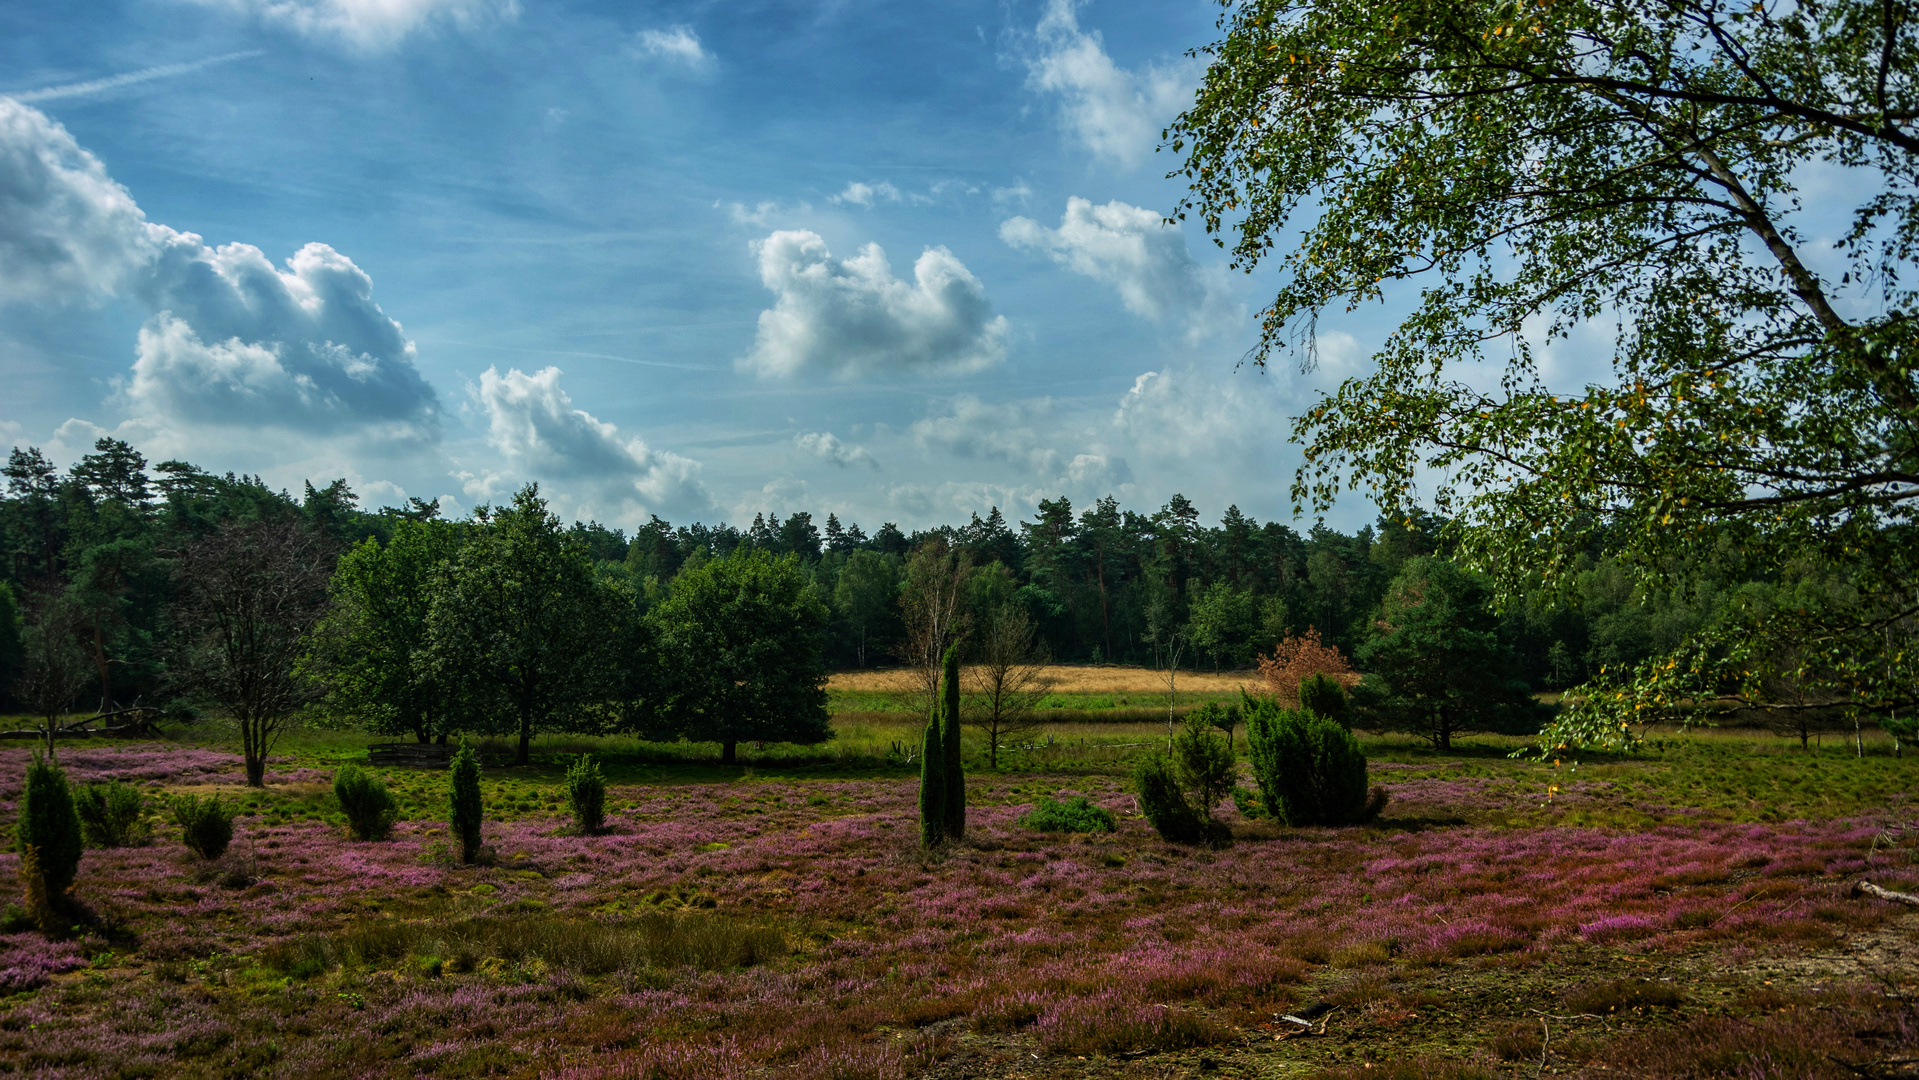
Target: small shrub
(368, 805)
(586, 796)
(1203, 764)
(1246, 801)
(1322, 695)
(112, 815)
(1519, 1042)
(206, 825)
(1164, 805)
(1077, 814)
(48, 824)
(1310, 770)
(1009, 1014)
(1225, 718)
(1624, 995)
(1362, 954)
(1112, 1024)
(466, 805)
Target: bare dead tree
(249, 595)
(933, 604)
(54, 667)
(1009, 678)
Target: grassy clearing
(1075, 693)
(1071, 679)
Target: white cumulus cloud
(1026, 433)
(67, 230)
(533, 423)
(1135, 251)
(827, 447)
(859, 194)
(677, 44)
(233, 341)
(236, 341)
(369, 24)
(1115, 113)
(853, 317)
(1187, 415)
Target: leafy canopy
(741, 641)
(1436, 666)
(1531, 168)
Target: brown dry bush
(1294, 658)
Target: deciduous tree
(522, 618)
(741, 641)
(372, 648)
(933, 605)
(1435, 664)
(1519, 175)
(867, 596)
(1009, 678)
(53, 667)
(249, 595)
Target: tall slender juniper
(466, 802)
(932, 781)
(955, 776)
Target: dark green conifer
(955, 776)
(466, 802)
(932, 782)
(48, 823)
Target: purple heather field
(1015, 947)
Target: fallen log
(77, 733)
(146, 714)
(1869, 889)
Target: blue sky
(896, 261)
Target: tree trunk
(253, 748)
(729, 752)
(106, 672)
(526, 740)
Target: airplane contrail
(92, 86)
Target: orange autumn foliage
(1294, 658)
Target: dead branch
(1869, 888)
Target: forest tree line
(111, 547)
(1102, 584)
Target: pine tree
(932, 782)
(954, 775)
(466, 802)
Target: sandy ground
(1075, 679)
